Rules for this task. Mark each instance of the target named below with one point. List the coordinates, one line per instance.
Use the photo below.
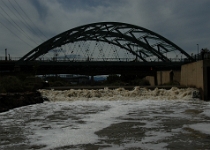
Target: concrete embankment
(12, 100)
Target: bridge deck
(88, 67)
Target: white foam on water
(137, 145)
(107, 94)
(81, 133)
(53, 123)
(201, 127)
(60, 133)
(119, 106)
(206, 111)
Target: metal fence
(202, 56)
(109, 59)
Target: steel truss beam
(112, 33)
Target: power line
(25, 22)
(15, 35)
(29, 18)
(18, 27)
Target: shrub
(11, 84)
(32, 83)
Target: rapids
(137, 93)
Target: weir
(112, 87)
(138, 93)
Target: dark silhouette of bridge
(102, 48)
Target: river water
(107, 119)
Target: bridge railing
(109, 59)
(85, 59)
(2, 58)
(202, 56)
(63, 59)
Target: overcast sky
(24, 24)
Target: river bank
(13, 100)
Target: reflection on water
(101, 124)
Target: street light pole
(198, 48)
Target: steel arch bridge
(107, 41)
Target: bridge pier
(155, 79)
(165, 77)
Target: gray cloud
(185, 23)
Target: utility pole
(5, 54)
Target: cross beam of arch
(126, 36)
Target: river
(106, 119)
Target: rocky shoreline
(13, 100)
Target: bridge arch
(140, 42)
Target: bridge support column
(155, 78)
(92, 80)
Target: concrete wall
(163, 77)
(196, 74)
(151, 80)
(192, 74)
